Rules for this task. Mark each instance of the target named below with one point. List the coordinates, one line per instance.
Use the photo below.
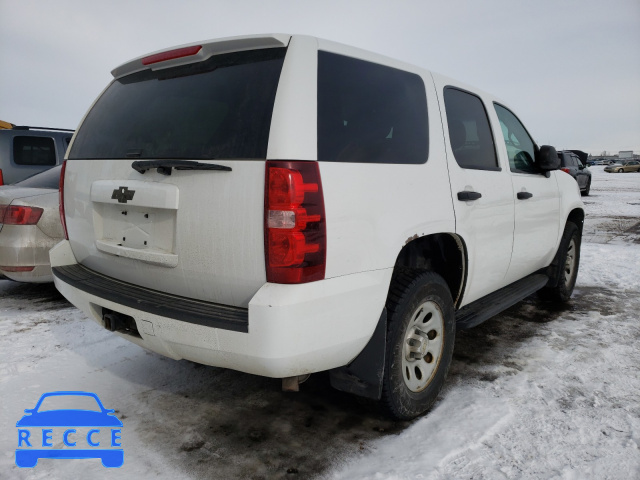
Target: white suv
(283, 205)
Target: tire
(587, 189)
(565, 266)
(620, 170)
(420, 338)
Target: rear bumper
(26, 245)
(290, 330)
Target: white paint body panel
(204, 229)
(148, 194)
(537, 226)
(294, 121)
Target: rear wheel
(585, 192)
(420, 339)
(567, 263)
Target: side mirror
(547, 158)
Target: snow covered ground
(536, 392)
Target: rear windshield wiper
(164, 166)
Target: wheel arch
(576, 216)
(441, 253)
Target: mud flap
(363, 376)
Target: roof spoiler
(189, 54)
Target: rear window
(370, 113)
(47, 179)
(219, 108)
(34, 150)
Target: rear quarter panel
(372, 210)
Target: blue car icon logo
(69, 433)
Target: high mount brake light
(295, 224)
(171, 55)
(19, 215)
(63, 220)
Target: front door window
(520, 148)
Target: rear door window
(29, 150)
(218, 108)
(469, 131)
(370, 113)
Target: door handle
(464, 196)
(524, 195)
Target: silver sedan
(29, 226)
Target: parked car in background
(582, 156)
(25, 151)
(631, 166)
(30, 226)
(570, 163)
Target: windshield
(218, 108)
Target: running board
(483, 309)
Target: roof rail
(24, 127)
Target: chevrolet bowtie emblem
(122, 194)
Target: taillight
(17, 269)
(61, 200)
(1, 178)
(295, 224)
(566, 170)
(171, 55)
(19, 215)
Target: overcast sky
(570, 69)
